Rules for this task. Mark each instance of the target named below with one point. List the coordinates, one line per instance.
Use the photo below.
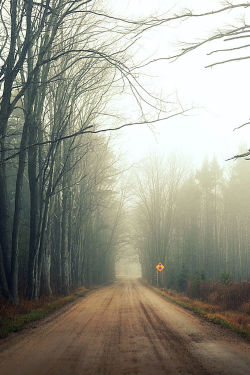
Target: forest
(193, 221)
(69, 209)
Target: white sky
(222, 90)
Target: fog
(218, 93)
(129, 269)
(116, 120)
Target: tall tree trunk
(64, 247)
(3, 282)
(16, 219)
(34, 215)
(46, 261)
(5, 235)
(42, 244)
(5, 232)
(70, 202)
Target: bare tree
(52, 45)
(158, 186)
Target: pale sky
(221, 92)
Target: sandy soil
(124, 328)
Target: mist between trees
(66, 68)
(192, 221)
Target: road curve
(121, 329)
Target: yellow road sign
(160, 267)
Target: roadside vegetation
(222, 302)
(13, 318)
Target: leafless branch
(227, 61)
(229, 49)
(241, 126)
(88, 131)
(240, 156)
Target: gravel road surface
(124, 328)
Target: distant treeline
(195, 223)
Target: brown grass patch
(233, 294)
(239, 318)
(13, 318)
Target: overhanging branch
(88, 131)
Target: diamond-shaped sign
(160, 267)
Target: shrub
(183, 278)
(229, 295)
(203, 275)
(194, 287)
(171, 273)
(226, 277)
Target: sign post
(159, 269)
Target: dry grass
(10, 311)
(215, 309)
(229, 296)
(13, 318)
(239, 317)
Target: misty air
(124, 187)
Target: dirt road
(124, 328)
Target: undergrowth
(13, 318)
(228, 295)
(234, 319)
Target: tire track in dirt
(172, 343)
(125, 329)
